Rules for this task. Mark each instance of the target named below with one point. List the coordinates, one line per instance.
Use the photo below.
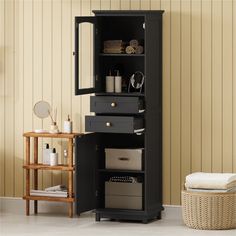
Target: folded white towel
(230, 190)
(211, 180)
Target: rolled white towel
(210, 180)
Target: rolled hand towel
(211, 180)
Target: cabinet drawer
(124, 159)
(125, 105)
(113, 124)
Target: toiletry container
(46, 154)
(53, 158)
(68, 125)
(118, 82)
(54, 128)
(110, 83)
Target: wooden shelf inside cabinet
(35, 166)
(122, 171)
(121, 55)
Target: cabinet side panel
(153, 119)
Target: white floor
(59, 224)
(54, 221)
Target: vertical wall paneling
(105, 4)
(115, 4)
(47, 74)
(227, 85)
(135, 4)
(38, 72)
(234, 86)
(155, 4)
(2, 97)
(145, 5)
(199, 101)
(206, 86)
(66, 61)
(216, 86)
(19, 93)
(185, 89)
(9, 98)
(96, 4)
(56, 79)
(196, 92)
(166, 102)
(125, 4)
(175, 102)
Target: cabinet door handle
(113, 104)
(123, 158)
(108, 124)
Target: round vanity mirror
(42, 109)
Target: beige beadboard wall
(199, 82)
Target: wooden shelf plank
(49, 135)
(121, 171)
(48, 167)
(121, 55)
(52, 199)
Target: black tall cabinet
(130, 119)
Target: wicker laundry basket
(203, 210)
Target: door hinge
(96, 31)
(143, 25)
(96, 193)
(97, 147)
(96, 77)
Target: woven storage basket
(203, 210)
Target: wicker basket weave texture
(209, 210)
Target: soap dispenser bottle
(110, 83)
(54, 158)
(46, 154)
(68, 125)
(118, 82)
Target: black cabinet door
(85, 52)
(85, 164)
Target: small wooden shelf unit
(35, 166)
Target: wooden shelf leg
(27, 150)
(70, 173)
(35, 172)
(27, 207)
(71, 209)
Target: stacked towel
(113, 46)
(213, 182)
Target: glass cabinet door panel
(84, 55)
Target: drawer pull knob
(123, 158)
(113, 104)
(108, 124)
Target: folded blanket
(211, 180)
(230, 190)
